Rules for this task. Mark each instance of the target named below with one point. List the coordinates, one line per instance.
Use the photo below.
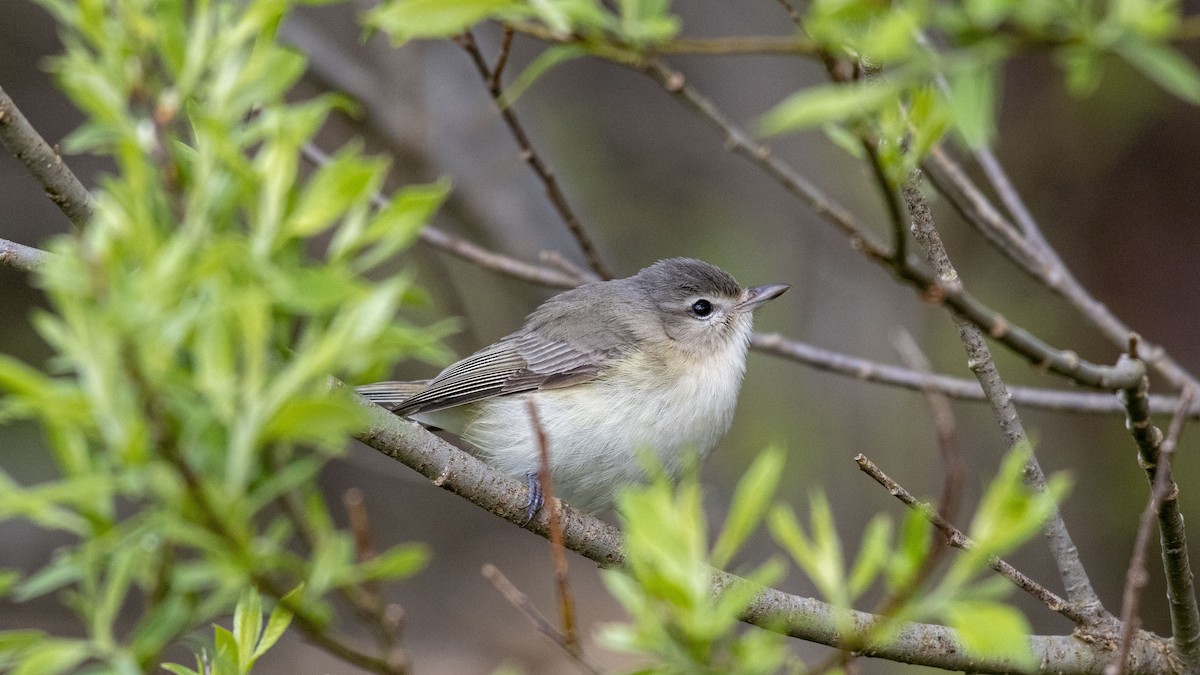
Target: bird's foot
(534, 504)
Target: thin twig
(1038, 259)
(959, 540)
(562, 274)
(954, 471)
(43, 163)
(1136, 575)
(531, 157)
(1016, 338)
(493, 82)
(562, 580)
(467, 250)
(519, 600)
(1181, 592)
(954, 467)
(979, 359)
(955, 387)
(735, 45)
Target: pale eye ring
(702, 308)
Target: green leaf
(751, 498)
(991, 630)
(398, 562)
(873, 555)
(828, 103)
(281, 618)
(973, 93)
(548, 59)
(247, 625)
(347, 179)
(405, 20)
(1165, 66)
(50, 657)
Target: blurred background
(1112, 180)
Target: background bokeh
(1113, 179)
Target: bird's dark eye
(702, 308)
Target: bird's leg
(534, 504)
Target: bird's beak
(761, 294)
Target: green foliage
(892, 40)
(667, 589)
(196, 321)
(236, 651)
(677, 622)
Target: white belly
(596, 431)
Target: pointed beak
(761, 294)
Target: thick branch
(803, 618)
(43, 162)
(20, 256)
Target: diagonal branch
(1033, 255)
(979, 360)
(43, 162)
(956, 538)
(20, 256)
(528, 153)
(954, 387)
(804, 618)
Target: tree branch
(954, 387)
(1038, 259)
(20, 256)
(1181, 592)
(804, 618)
(558, 200)
(979, 360)
(956, 538)
(43, 162)
(1162, 488)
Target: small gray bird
(653, 361)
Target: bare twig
(532, 158)
(1136, 575)
(954, 467)
(734, 45)
(954, 387)
(519, 600)
(959, 540)
(467, 250)
(1037, 258)
(979, 360)
(43, 162)
(1181, 592)
(360, 524)
(20, 256)
(561, 578)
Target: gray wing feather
(518, 363)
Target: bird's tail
(391, 394)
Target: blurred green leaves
(676, 620)
(667, 590)
(958, 51)
(196, 322)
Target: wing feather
(520, 362)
